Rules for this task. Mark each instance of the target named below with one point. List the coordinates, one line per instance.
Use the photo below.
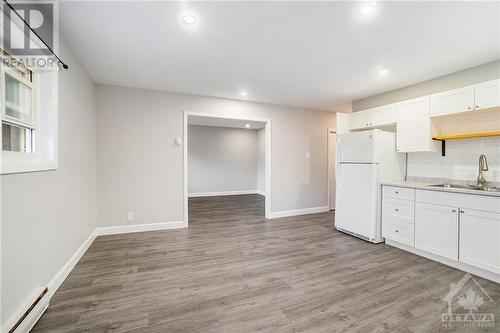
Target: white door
(332, 147)
(357, 147)
(480, 239)
(452, 101)
(414, 126)
(436, 229)
(356, 204)
(487, 94)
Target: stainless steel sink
(451, 186)
(468, 187)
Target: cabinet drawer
(398, 232)
(402, 210)
(469, 201)
(398, 192)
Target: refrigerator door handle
(337, 168)
(337, 150)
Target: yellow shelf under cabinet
(466, 136)
(444, 138)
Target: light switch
(178, 141)
(308, 155)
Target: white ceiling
(319, 55)
(224, 122)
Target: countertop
(427, 186)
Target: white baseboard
(456, 264)
(63, 273)
(261, 192)
(216, 194)
(296, 212)
(125, 229)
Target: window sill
(13, 163)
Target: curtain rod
(34, 32)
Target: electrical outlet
(308, 155)
(130, 216)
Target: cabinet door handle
(469, 108)
(454, 210)
(477, 106)
(396, 209)
(396, 230)
(461, 211)
(396, 192)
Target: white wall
(46, 216)
(261, 161)
(461, 161)
(221, 159)
(140, 168)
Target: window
(18, 108)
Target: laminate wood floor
(231, 271)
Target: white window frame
(44, 150)
(4, 70)
(31, 126)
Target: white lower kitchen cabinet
(398, 215)
(480, 239)
(457, 229)
(436, 229)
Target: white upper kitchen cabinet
(361, 120)
(379, 117)
(480, 239)
(487, 94)
(414, 127)
(436, 229)
(452, 101)
(384, 116)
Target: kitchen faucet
(483, 166)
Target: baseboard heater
(32, 306)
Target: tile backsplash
(461, 161)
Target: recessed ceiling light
(243, 93)
(189, 19)
(383, 72)
(367, 9)
(247, 125)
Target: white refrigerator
(364, 160)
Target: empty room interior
(226, 169)
(250, 166)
